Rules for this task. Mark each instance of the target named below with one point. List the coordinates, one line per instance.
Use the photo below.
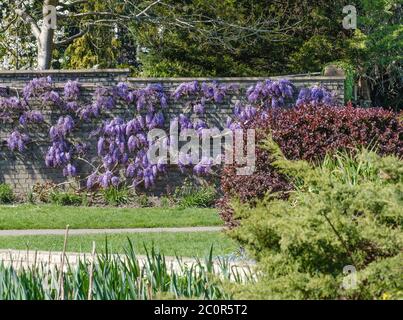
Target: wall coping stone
(237, 79)
(316, 76)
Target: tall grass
(121, 277)
(352, 168)
(191, 195)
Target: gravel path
(105, 231)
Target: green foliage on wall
(351, 77)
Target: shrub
(335, 217)
(6, 194)
(116, 196)
(30, 197)
(192, 195)
(43, 191)
(165, 202)
(66, 198)
(308, 133)
(143, 201)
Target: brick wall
(22, 171)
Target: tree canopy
(211, 38)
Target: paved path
(105, 231)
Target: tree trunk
(45, 48)
(45, 40)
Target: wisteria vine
(122, 146)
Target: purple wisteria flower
(200, 125)
(244, 113)
(151, 98)
(31, 117)
(122, 145)
(61, 152)
(199, 108)
(270, 93)
(184, 122)
(104, 98)
(232, 124)
(317, 95)
(115, 181)
(92, 180)
(186, 89)
(122, 91)
(63, 127)
(9, 107)
(71, 90)
(58, 155)
(70, 171)
(89, 112)
(52, 97)
(11, 103)
(204, 166)
(36, 87)
(17, 141)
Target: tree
(376, 51)
(104, 46)
(312, 37)
(40, 14)
(16, 44)
(115, 13)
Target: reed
(121, 277)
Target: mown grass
(170, 244)
(57, 217)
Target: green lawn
(171, 244)
(57, 217)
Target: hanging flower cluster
(123, 148)
(103, 99)
(195, 97)
(10, 108)
(31, 117)
(270, 93)
(37, 87)
(259, 98)
(150, 98)
(61, 152)
(17, 141)
(199, 95)
(18, 112)
(317, 95)
(71, 90)
(71, 95)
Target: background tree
(75, 19)
(376, 51)
(105, 44)
(313, 37)
(86, 14)
(211, 38)
(17, 47)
